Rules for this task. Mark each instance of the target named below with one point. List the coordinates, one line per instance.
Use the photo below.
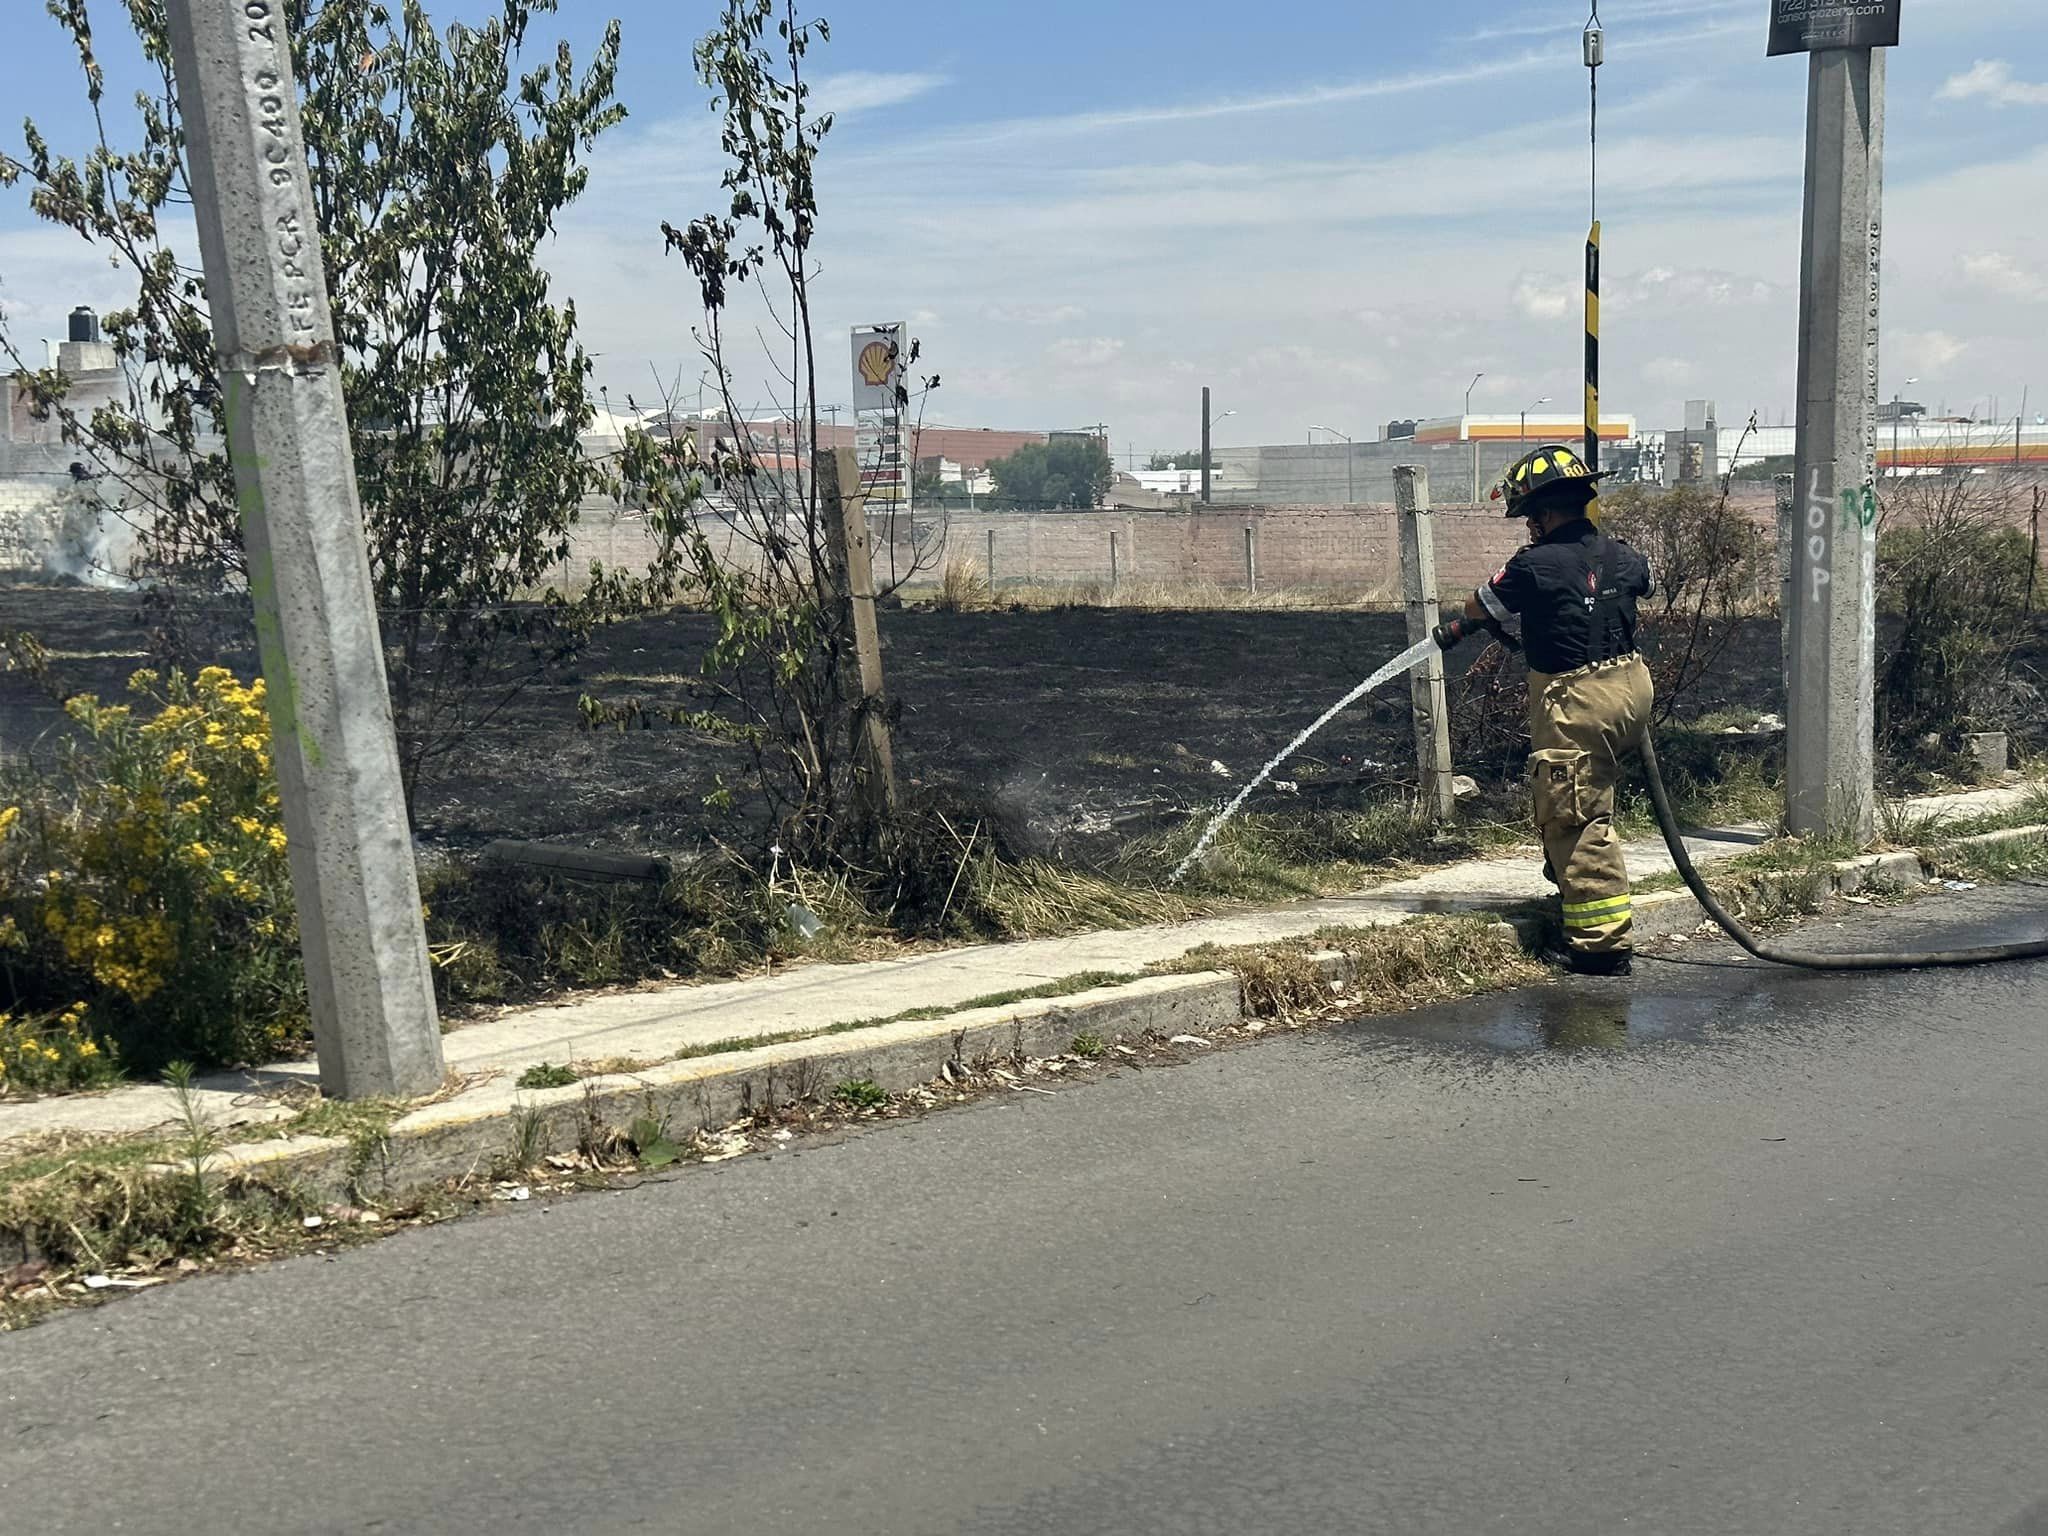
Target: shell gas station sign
(879, 439)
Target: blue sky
(1332, 213)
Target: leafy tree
(439, 166)
(1068, 472)
(780, 581)
(1191, 459)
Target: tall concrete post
(1251, 559)
(1430, 709)
(1207, 468)
(1830, 709)
(369, 980)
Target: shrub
(1708, 559)
(45, 1054)
(509, 935)
(144, 873)
(1955, 584)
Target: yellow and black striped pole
(1593, 353)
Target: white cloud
(1547, 297)
(1928, 352)
(857, 91)
(1992, 79)
(1688, 286)
(1033, 314)
(1998, 273)
(1242, 106)
(1085, 351)
(1570, 17)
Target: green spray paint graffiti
(1859, 507)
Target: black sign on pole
(1804, 26)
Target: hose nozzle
(1449, 636)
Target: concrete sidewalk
(656, 1025)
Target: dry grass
(963, 587)
(1424, 960)
(1306, 850)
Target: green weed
(861, 1093)
(545, 1074)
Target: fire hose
(1449, 635)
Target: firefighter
(1575, 589)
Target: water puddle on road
(1712, 996)
(1578, 1016)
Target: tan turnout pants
(1581, 724)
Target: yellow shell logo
(877, 358)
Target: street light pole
(1350, 488)
(1897, 395)
(1525, 417)
(1208, 458)
(1469, 437)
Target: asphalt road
(1718, 1251)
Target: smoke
(73, 539)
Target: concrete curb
(467, 1135)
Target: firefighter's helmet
(1552, 476)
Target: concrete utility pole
(369, 980)
(1830, 711)
(1426, 683)
(842, 505)
(1207, 468)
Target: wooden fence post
(842, 503)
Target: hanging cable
(1595, 48)
(1594, 43)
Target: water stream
(1417, 653)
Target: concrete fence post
(369, 981)
(1431, 709)
(1251, 559)
(991, 559)
(1115, 570)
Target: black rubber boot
(1583, 963)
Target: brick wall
(1347, 550)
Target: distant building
(1535, 428)
(51, 510)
